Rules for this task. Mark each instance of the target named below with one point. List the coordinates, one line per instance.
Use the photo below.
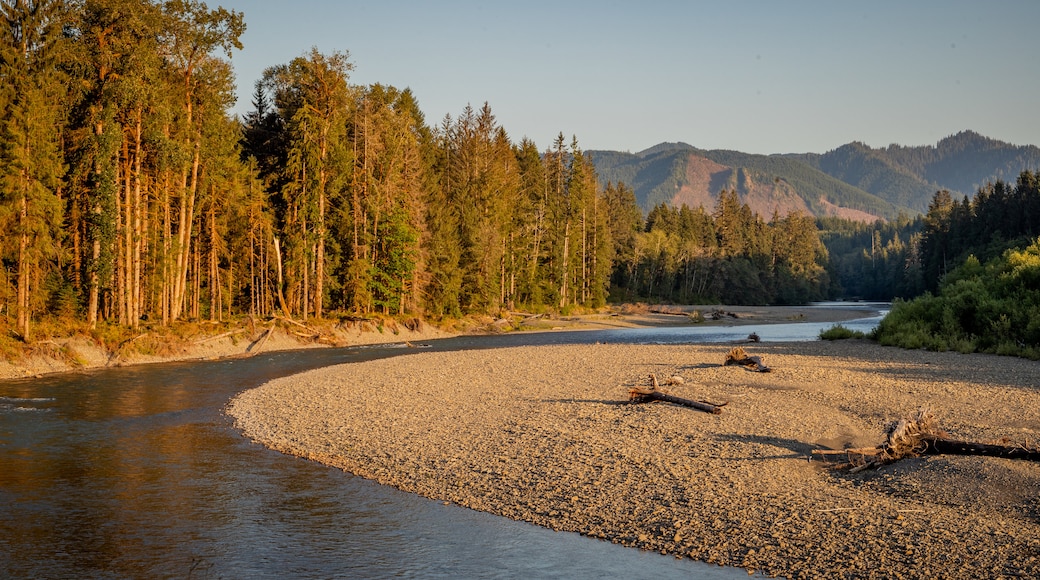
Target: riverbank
(544, 435)
(159, 345)
(149, 345)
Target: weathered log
(737, 356)
(644, 395)
(218, 336)
(652, 393)
(940, 446)
(256, 346)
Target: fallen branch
(737, 356)
(218, 336)
(652, 393)
(300, 324)
(953, 447)
(312, 334)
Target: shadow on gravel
(701, 366)
(799, 449)
(596, 401)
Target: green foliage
(877, 261)
(128, 195)
(1000, 216)
(992, 308)
(734, 257)
(839, 332)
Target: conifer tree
(386, 202)
(936, 252)
(31, 49)
(312, 96)
(528, 232)
(559, 212)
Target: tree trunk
(566, 262)
(23, 266)
(941, 446)
(214, 273)
(136, 229)
(281, 294)
(187, 219)
(93, 300)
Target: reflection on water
(135, 472)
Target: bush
(993, 308)
(839, 332)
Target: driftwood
(300, 324)
(751, 338)
(720, 314)
(256, 346)
(670, 311)
(653, 393)
(737, 356)
(921, 435)
(311, 333)
(218, 336)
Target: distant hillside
(678, 173)
(910, 176)
(854, 180)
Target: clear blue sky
(754, 76)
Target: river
(136, 472)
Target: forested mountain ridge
(910, 176)
(678, 173)
(857, 181)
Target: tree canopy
(130, 196)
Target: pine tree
(936, 251)
(31, 48)
(312, 96)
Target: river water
(136, 473)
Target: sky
(753, 76)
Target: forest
(731, 255)
(965, 276)
(908, 257)
(130, 196)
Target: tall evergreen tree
(936, 251)
(625, 220)
(31, 168)
(528, 231)
(312, 96)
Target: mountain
(910, 176)
(853, 181)
(678, 173)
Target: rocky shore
(545, 435)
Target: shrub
(992, 308)
(839, 332)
